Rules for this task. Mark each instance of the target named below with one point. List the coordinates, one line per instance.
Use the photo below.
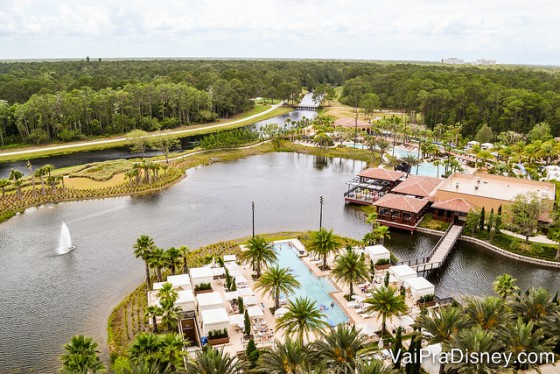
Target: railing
(428, 266)
(445, 300)
(414, 261)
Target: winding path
(120, 139)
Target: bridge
(303, 107)
(439, 253)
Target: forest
(49, 101)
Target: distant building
(352, 123)
(452, 61)
(483, 61)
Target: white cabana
(402, 273)
(158, 285)
(280, 312)
(201, 275)
(211, 300)
(233, 269)
(181, 281)
(152, 298)
(241, 281)
(255, 312)
(419, 287)
(214, 319)
(430, 362)
(185, 300)
(232, 295)
(237, 319)
(487, 146)
(377, 252)
(368, 329)
(230, 258)
(218, 272)
(247, 291)
(250, 300)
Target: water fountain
(65, 240)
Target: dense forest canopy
(68, 100)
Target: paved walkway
(535, 239)
(120, 139)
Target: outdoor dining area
(372, 184)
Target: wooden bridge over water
(439, 253)
(313, 108)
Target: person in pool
(332, 304)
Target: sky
(516, 32)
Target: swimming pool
(312, 287)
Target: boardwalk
(439, 254)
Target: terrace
(372, 184)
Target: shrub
(217, 334)
(383, 261)
(427, 298)
(203, 287)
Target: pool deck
(237, 343)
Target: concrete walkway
(535, 239)
(120, 139)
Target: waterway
(47, 298)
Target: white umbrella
(247, 291)
(250, 300)
(380, 345)
(237, 319)
(280, 312)
(406, 321)
(255, 312)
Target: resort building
(371, 184)
(417, 186)
(353, 123)
(460, 193)
(400, 211)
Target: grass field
(87, 183)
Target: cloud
(507, 30)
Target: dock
(439, 253)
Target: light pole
(253, 207)
(356, 123)
(321, 200)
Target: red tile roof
(455, 205)
(400, 202)
(417, 185)
(350, 122)
(382, 174)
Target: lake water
(47, 298)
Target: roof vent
(478, 180)
(456, 184)
(476, 187)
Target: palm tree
(372, 220)
(3, 184)
(158, 260)
(171, 350)
(290, 357)
(412, 161)
(275, 281)
(350, 268)
(388, 303)
(154, 311)
(339, 348)
(259, 252)
(15, 176)
(488, 313)
(145, 348)
(302, 318)
(524, 337)
(322, 243)
(381, 233)
(170, 313)
(437, 164)
(373, 367)
(535, 306)
(442, 326)
(82, 356)
(40, 173)
(382, 145)
(143, 249)
(184, 253)
(213, 361)
(505, 285)
(29, 168)
(172, 259)
(476, 340)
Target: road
(120, 139)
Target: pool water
(314, 288)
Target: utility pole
(356, 123)
(321, 200)
(253, 207)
